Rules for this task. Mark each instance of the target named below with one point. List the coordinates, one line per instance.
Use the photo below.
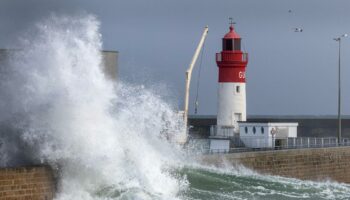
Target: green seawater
(216, 184)
(212, 184)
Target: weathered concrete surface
(110, 64)
(306, 164)
(27, 183)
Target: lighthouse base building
(256, 135)
(267, 134)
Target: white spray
(109, 142)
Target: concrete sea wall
(25, 183)
(306, 164)
(38, 182)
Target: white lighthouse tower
(232, 63)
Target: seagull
(298, 29)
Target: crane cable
(196, 104)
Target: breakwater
(31, 182)
(306, 164)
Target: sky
(289, 73)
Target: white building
(266, 134)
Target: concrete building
(110, 61)
(266, 134)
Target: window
(237, 44)
(238, 89)
(262, 130)
(254, 130)
(246, 130)
(227, 44)
(231, 44)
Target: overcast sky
(288, 73)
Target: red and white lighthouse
(232, 63)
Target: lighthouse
(232, 63)
(232, 129)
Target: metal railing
(239, 144)
(231, 56)
(315, 142)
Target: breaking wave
(59, 106)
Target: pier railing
(238, 144)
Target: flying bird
(298, 29)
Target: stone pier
(307, 164)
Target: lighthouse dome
(232, 34)
(231, 41)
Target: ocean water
(231, 183)
(111, 140)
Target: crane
(189, 74)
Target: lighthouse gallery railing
(230, 56)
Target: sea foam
(107, 140)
